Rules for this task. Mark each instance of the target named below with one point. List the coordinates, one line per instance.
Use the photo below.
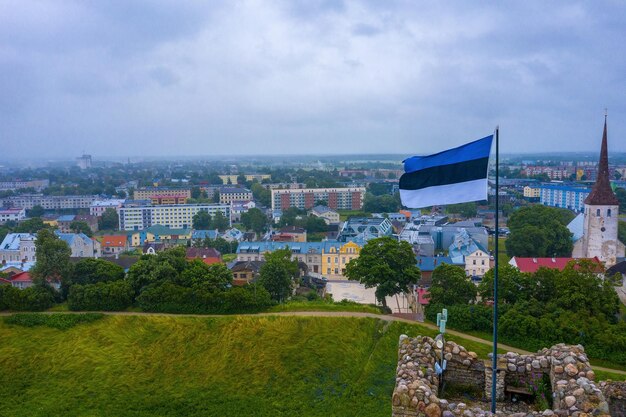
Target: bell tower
(601, 214)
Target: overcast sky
(170, 78)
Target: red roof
(22, 277)
(110, 241)
(4, 281)
(533, 264)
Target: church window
(608, 213)
(598, 212)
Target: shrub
(108, 296)
(57, 321)
(34, 298)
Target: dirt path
(328, 314)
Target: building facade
(37, 185)
(231, 194)
(563, 196)
(363, 228)
(50, 202)
(177, 216)
(98, 207)
(350, 198)
(12, 215)
(147, 193)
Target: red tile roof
(22, 277)
(111, 241)
(533, 264)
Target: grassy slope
(183, 366)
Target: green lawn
(185, 366)
(324, 306)
(503, 258)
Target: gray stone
(570, 400)
(447, 413)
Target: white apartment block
(50, 202)
(98, 207)
(349, 198)
(175, 216)
(12, 215)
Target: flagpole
(495, 282)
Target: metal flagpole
(495, 283)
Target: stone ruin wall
(572, 380)
(615, 393)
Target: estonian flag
(449, 177)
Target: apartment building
(98, 207)
(12, 215)
(349, 198)
(563, 196)
(231, 194)
(37, 185)
(233, 179)
(50, 202)
(178, 216)
(147, 193)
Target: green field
(183, 366)
(126, 365)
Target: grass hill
(183, 366)
(125, 365)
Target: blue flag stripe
(480, 148)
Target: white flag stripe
(460, 192)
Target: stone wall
(615, 394)
(571, 379)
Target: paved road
(330, 314)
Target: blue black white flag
(454, 176)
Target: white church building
(595, 230)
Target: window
(598, 212)
(482, 262)
(474, 262)
(608, 213)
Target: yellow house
(335, 257)
(530, 192)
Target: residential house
(207, 255)
(466, 250)
(24, 280)
(290, 234)
(140, 216)
(114, 244)
(159, 234)
(335, 256)
(237, 208)
(363, 228)
(427, 264)
(329, 215)
(18, 247)
(151, 248)
(245, 272)
(64, 222)
(82, 246)
(350, 198)
(232, 235)
(98, 207)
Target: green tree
(53, 259)
(202, 220)
(92, 271)
(278, 273)
(314, 224)
(380, 204)
(81, 227)
(254, 220)
(387, 264)
(109, 220)
(466, 210)
(513, 285)
(262, 195)
(216, 196)
(33, 225)
(195, 192)
(450, 286)
(540, 231)
(220, 222)
(198, 275)
(36, 211)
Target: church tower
(601, 215)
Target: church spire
(602, 194)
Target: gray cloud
(172, 78)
